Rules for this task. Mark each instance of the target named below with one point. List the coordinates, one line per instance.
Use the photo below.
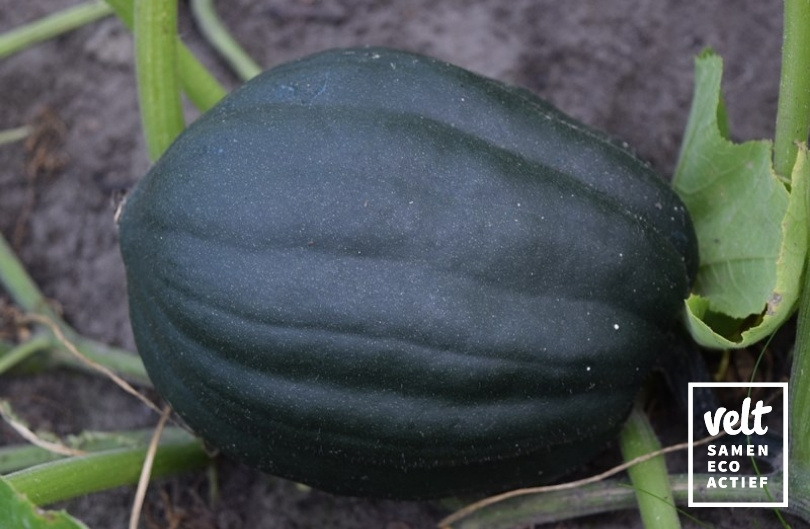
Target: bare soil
(624, 66)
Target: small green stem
(19, 284)
(25, 293)
(217, 34)
(650, 478)
(23, 351)
(75, 476)
(198, 84)
(201, 87)
(793, 111)
(50, 26)
(124, 363)
(13, 135)
(155, 28)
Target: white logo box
(785, 434)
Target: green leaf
(17, 511)
(752, 231)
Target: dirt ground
(624, 66)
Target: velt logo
(732, 417)
(746, 457)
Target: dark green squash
(380, 274)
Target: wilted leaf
(752, 230)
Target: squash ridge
(254, 319)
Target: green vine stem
(123, 363)
(19, 284)
(650, 478)
(127, 364)
(22, 289)
(608, 496)
(18, 457)
(199, 85)
(792, 124)
(48, 27)
(155, 29)
(23, 351)
(793, 111)
(218, 36)
(75, 476)
(799, 387)
(14, 135)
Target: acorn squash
(382, 275)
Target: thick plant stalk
(650, 478)
(793, 112)
(155, 28)
(199, 85)
(799, 391)
(793, 120)
(75, 476)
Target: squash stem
(76, 476)
(51, 26)
(650, 479)
(793, 111)
(198, 84)
(218, 36)
(155, 28)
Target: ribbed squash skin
(380, 274)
